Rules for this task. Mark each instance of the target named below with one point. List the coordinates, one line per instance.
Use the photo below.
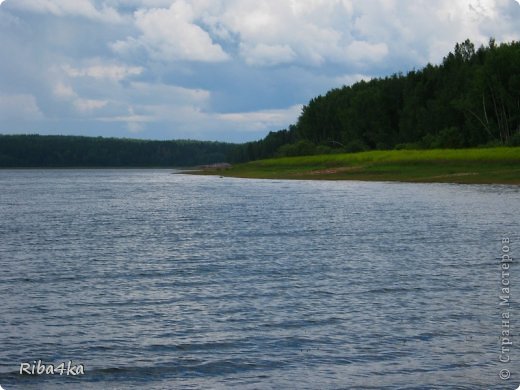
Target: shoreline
(462, 166)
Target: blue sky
(228, 70)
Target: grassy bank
(486, 165)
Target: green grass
(484, 165)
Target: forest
(75, 151)
(470, 99)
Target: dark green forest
(470, 99)
(73, 151)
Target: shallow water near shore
(160, 281)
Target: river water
(156, 280)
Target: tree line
(471, 99)
(77, 151)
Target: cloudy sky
(228, 70)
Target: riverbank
(472, 166)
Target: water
(156, 280)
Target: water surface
(156, 280)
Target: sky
(219, 70)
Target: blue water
(155, 280)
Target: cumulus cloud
(170, 34)
(83, 105)
(310, 32)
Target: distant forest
(73, 151)
(471, 99)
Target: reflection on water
(155, 280)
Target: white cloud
(137, 103)
(135, 123)
(420, 31)
(62, 90)
(110, 72)
(262, 54)
(84, 105)
(170, 34)
(308, 32)
(83, 8)
(168, 93)
(362, 51)
(264, 118)
(140, 3)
